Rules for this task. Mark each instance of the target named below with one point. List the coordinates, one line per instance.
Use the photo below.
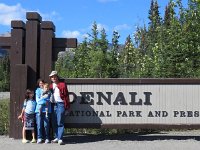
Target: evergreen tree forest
(168, 47)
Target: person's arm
(66, 96)
(44, 96)
(38, 95)
(22, 112)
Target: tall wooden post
(46, 44)
(33, 47)
(17, 56)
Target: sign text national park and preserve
(134, 104)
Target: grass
(4, 116)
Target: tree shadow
(88, 138)
(81, 114)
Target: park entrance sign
(95, 103)
(134, 103)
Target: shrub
(4, 116)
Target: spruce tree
(130, 60)
(81, 60)
(113, 65)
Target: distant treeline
(168, 47)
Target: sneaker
(60, 142)
(39, 141)
(25, 141)
(54, 141)
(47, 141)
(33, 141)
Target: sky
(74, 18)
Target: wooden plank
(64, 43)
(17, 24)
(165, 104)
(60, 44)
(16, 57)
(132, 126)
(48, 25)
(33, 16)
(32, 50)
(21, 71)
(18, 90)
(47, 33)
(17, 52)
(55, 54)
(5, 42)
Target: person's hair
(46, 85)
(28, 91)
(40, 80)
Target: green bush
(4, 116)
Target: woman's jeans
(58, 120)
(42, 121)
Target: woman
(42, 119)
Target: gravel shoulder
(166, 140)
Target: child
(44, 99)
(28, 116)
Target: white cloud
(71, 34)
(7, 34)
(17, 12)
(106, 1)
(82, 33)
(52, 16)
(99, 27)
(85, 36)
(122, 27)
(8, 13)
(75, 34)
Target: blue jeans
(58, 120)
(41, 121)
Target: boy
(44, 99)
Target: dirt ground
(170, 140)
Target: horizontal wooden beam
(64, 43)
(5, 42)
(136, 81)
(132, 126)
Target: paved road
(187, 140)
(4, 95)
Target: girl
(28, 116)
